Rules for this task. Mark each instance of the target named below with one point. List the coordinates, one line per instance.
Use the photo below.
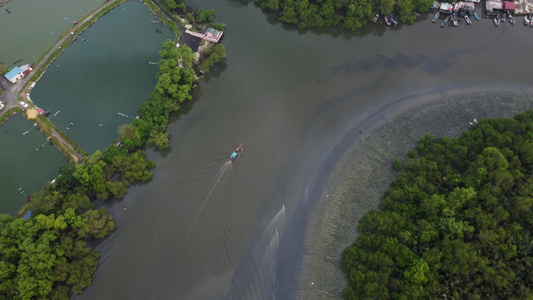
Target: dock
(206, 36)
(523, 7)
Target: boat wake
(256, 276)
(218, 177)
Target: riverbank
(362, 168)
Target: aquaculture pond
(100, 80)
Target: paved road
(12, 91)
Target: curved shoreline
(359, 171)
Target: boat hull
(235, 154)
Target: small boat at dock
(387, 21)
(504, 17)
(476, 16)
(376, 17)
(436, 17)
(496, 21)
(455, 23)
(468, 21)
(444, 22)
(511, 19)
(526, 20)
(233, 157)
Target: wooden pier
(206, 36)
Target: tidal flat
(362, 168)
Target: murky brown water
(205, 229)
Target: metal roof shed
(12, 75)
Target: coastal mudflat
(362, 168)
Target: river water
(206, 229)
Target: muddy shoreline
(359, 170)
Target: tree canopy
(350, 14)
(456, 224)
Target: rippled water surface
(207, 229)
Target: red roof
(509, 5)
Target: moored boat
(476, 16)
(526, 20)
(236, 153)
(1, 105)
(436, 17)
(387, 20)
(444, 22)
(504, 17)
(376, 17)
(511, 19)
(467, 19)
(496, 21)
(455, 22)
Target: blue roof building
(14, 75)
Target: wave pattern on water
(256, 276)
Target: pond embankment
(363, 168)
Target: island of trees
(349, 14)
(456, 224)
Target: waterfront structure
(17, 73)
(446, 7)
(464, 6)
(493, 7)
(210, 34)
(14, 75)
(523, 7)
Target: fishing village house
(17, 73)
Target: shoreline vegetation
(46, 255)
(349, 15)
(455, 223)
(363, 169)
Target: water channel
(206, 229)
(203, 229)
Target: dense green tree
(456, 224)
(203, 15)
(3, 68)
(215, 54)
